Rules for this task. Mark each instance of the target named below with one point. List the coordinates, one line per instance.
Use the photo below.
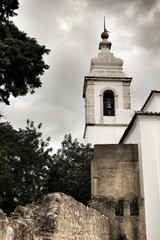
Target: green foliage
(28, 170)
(21, 57)
(7, 8)
(70, 170)
(21, 62)
(8, 137)
(24, 161)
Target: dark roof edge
(128, 128)
(149, 97)
(103, 77)
(137, 113)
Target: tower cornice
(93, 79)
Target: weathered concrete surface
(116, 190)
(115, 170)
(57, 217)
(132, 227)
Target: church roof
(149, 97)
(137, 113)
(142, 112)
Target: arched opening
(122, 237)
(108, 103)
(134, 208)
(119, 207)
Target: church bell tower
(106, 92)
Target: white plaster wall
(122, 116)
(146, 133)
(99, 86)
(153, 105)
(157, 133)
(134, 137)
(108, 134)
(103, 134)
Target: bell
(108, 104)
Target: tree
(6, 179)
(8, 138)
(21, 57)
(24, 161)
(7, 9)
(70, 170)
(28, 171)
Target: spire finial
(104, 24)
(104, 36)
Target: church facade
(125, 171)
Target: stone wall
(126, 95)
(116, 190)
(119, 209)
(115, 170)
(89, 102)
(57, 217)
(126, 223)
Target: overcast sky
(71, 29)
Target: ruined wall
(119, 209)
(116, 190)
(126, 224)
(57, 217)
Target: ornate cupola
(107, 97)
(106, 64)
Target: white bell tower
(106, 92)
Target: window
(134, 208)
(119, 207)
(108, 103)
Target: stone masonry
(114, 170)
(116, 210)
(126, 95)
(116, 190)
(57, 217)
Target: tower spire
(104, 24)
(105, 35)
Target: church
(125, 170)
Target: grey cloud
(119, 6)
(72, 30)
(148, 35)
(140, 18)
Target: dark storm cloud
(148, 34)
(139, 17)
(138, 6)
